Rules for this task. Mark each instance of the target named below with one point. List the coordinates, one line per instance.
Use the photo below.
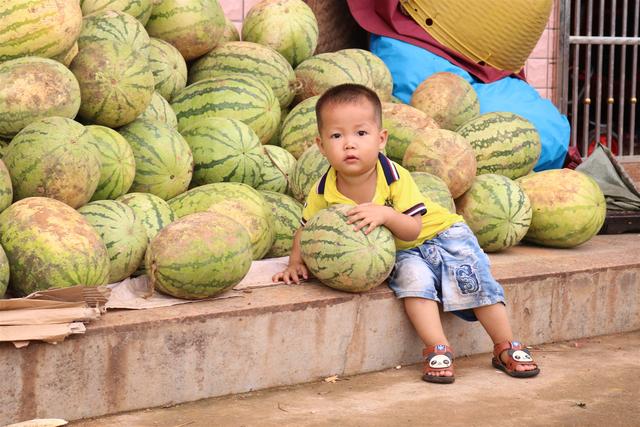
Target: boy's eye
(362, 132)
(334, 136)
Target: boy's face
(350, 137)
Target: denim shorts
(451, 269)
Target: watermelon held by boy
(568, 206)
(497, 211)
(198, 256)
(448, 99)
(504, 143)
(345, 259)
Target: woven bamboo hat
(500, 33)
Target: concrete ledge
(283, 335)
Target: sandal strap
(513, 348)
(506, 345)
(432, 351)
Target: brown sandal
(438, 358)
(518, 355)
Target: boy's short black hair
(348, 93)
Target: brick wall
(540, 67)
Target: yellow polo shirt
(395, 187)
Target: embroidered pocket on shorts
(466, 277)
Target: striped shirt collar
(391, 174)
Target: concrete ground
(589, 382)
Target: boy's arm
(296, 269)
(403, 226)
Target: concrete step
(589, 382)
(282, 335)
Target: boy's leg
(425, 318)
(495, 321)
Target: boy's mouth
(350, 157)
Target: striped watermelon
(164, 163)
(67, 56)
(568, 207)
(380, 74)
(275, 139)
(286, 213)
(160, 110)
(277, 169)
(4, 143)
(194, 27)
(326, 70)
(404, 125)
(300, 127)
(38, 27)
(122, 233)
(118, 166)
(235, 96)
(115, 26)
(505, 143)
(308, 170)
(444, 154)
(34, 88)
(224, 150)
(230, 32)
(288, 26)
(497, 211)
(447, 98)
(50, 245)
(139, 9)
(116, 83)
(168, 67)
(4, 272)
(198, 256)
(6, 189)
(248, 58)
(53, 158)
(239, 201)
(153, 212)
(345, 259)
(435, 189)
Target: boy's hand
(369, 215)
(294, 273)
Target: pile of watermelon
(145, 137)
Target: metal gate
(598, 74)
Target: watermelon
(122, 233)
(235, 96)
(404, 124)
(568, 207)
(380, 74)
(224, 150)
(115, 26)
(248, 58)
(194, 27)
(38, 27)
(164, 163)
(287, 213)
(300, 127)
(52, 157)
(50, 245)
(308, 170)
(435, 189)
(448, 99)
(139, 9)
(34, 88)
(504, 143)
(116, 83)
(326, 70)
(497, 211)
(276, 170)
(6, 189)
(342, 258)
(198, 256)
(168, 67)
(160, 110)
(67, 56)
(239, 201)
(4, 272)
(230, 32)
(445, 154)
(118, 166)
(288, 26)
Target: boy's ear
(384, 135)
(319, 144)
